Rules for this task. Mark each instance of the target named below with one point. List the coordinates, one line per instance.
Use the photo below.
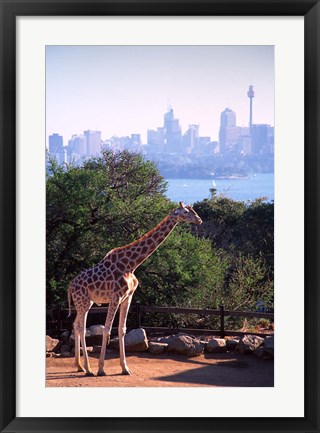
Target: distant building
(93, 142)
(56, 149)
(227, 118)
(229, 132)
(173, 136)
(135, 143)
(55, 143)
(262, 139)
(259, 139)
(156, 140)
(190, 139)
(77, 148)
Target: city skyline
(123, 90)
(168, 140)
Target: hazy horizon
(121, 90)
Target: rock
(64, 337)
(114, 343)
(95, 335)
(65, 348)
(65, 355)
(197, 349)
(163, 339)
(183, 344)
(231, 344)
(216, 345)
(89, 350)
(71, 338)
(51, 344)
(249, 343)
(156, 348)
(268, 346)
(259, 352)
(134, 341)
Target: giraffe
(113, 281)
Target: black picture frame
(10, 9)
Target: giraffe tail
(69, 299)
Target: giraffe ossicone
(112, 281)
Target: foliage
(245, 232)
(239, 227)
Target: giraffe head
(187, 214)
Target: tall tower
(250, 94)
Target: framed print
(67, 67)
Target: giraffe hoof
(127, 372)
(80, 368)
(101, 373)
(89, 373)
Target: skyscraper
(56, 149)
(229, 132)
(190, 139)
(173, 134)
(55, 143)
(93, 142)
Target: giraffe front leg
(124, 308)
(113, 307)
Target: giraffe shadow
(65, 375)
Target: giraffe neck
(132, 255)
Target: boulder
(231, 344)
(157, 348)
(65, 348)
(259, 352)
(134, 341)
(71, 338)
(65, 355)
(183, 344)
(64, 337)
(216, 345)
(95, 335)
(89, 350)
(268, 346)
(51, 344)
(249, 343)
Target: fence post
(138, 315)
(222, 321)
(58, 312)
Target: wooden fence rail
(138, 310)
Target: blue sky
(122, 90)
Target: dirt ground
(223, 369)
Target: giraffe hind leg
(76, 328)
(82, 333)
(77, 351)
